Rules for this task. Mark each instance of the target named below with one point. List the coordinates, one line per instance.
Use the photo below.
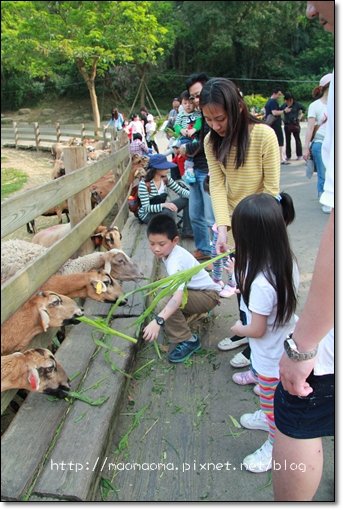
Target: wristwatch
(293, 352)
(160, 321)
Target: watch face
(160, 321)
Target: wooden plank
(85, 432)
(17, 211)
(21, 286)
(37, 420)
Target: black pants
(295, 129)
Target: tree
(41, 38)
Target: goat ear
(99, 286)
(44, 318)
(107, 267)
(34, 379)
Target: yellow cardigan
(260, 174)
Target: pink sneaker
(247, 377)
(227, 291)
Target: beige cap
(325, 80)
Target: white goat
(42, 311)
(103, 236)
(34, 370)
(16, 254)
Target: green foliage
(255, 101)
(47, 46)
(12, 180)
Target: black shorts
(307, 417)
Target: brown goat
(108, 237)
(96, 285)
(42, 311)
(101, 188)
(34, 370)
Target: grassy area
(12, 180)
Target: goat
(34, 370)
(58, 210)
(115, 262)
(101, 188)
(17, 254)
(58, 170)
(94, 284)
(103, 236)
(138, 167)
(108, 237)
(43, 310)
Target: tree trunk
(89, 78)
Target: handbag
(270, 119)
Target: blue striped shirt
(145, 196)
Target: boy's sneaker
(227, 343)
(184, 350)
(255, 421)
(227, 291)
(243, 378)
(261, 460)
(239, 361)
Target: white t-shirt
(328, 151)
(325, 357)
(319, 111)
(180, 259)
(266, 351)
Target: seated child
(203, 293)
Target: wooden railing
(42, 136)
(17, 211)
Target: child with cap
(202, 292)
(179, 160)
(153, 193)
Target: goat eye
(55, 302)
(50, 369)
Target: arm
(313, 325)
(311, 122)
(256, 329)
(271, 164)
(151, 331)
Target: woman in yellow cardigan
(243, 158)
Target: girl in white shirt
(268, 278)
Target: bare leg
(297, 467)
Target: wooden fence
(41, 136)
(17, 211)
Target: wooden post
(16, 134)
(58, 132)
(80, 204)
(37, 135)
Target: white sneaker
(239, 361)
(257, 390)
(255, 421)
(261, 460)
(326, 209)
(227, 344)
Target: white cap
(325, 80)
(150, 118)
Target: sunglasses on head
(194, 96)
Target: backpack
(134, 202)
